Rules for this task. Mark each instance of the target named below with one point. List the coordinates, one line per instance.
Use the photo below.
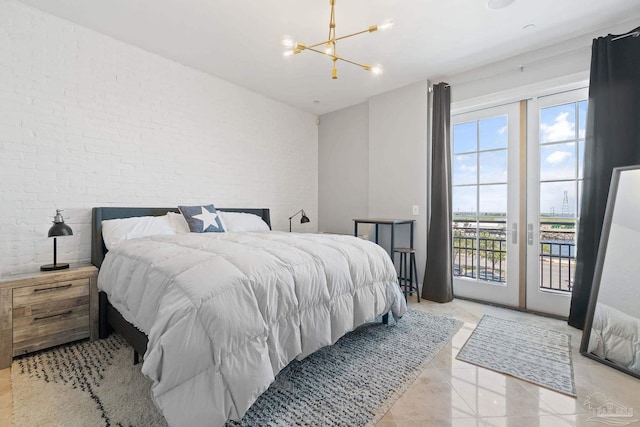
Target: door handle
(514, 233)
(529, 234)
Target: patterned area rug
(82, 384)
(352, 383)
(540, 356)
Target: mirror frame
(597, 276)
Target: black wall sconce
(303, 220)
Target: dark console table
(385, 221)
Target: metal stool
(408, 273)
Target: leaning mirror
(612, 328)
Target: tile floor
(454, 393)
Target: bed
(218, 315)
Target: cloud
(560, 130)
(502, 130)
(558, 157)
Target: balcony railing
(480, 252)
(557, 255)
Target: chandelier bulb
(288, 42)
(385, 26)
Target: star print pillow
(202, 219)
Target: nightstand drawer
(50, 314)
(49, 293)
(35, 332)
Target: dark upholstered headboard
(98, 250)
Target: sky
(480, 161)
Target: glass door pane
(484, 176)
(555, 162)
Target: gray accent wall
(373, 163)
(343, 168)
(398, 122)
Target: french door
(485, 178)
(510, 170)
(555, 153)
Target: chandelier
(330, 45)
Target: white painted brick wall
(86, 120)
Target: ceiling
(240, 40)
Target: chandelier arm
(365, 66)
(321, 52)
(319, 44)
(339, 58)
(337, 38)
(353, 34)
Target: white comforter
(225, 312)
(615, 336)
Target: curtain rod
(431, 86)
(635, 33)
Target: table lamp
(58, 229)
(303, 220)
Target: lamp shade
(304, 218)
(59, 228)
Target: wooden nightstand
(44, 309)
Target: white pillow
(178, 223)
(116, 231)
(237, 221)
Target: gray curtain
(438, 277)
(612, 140)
